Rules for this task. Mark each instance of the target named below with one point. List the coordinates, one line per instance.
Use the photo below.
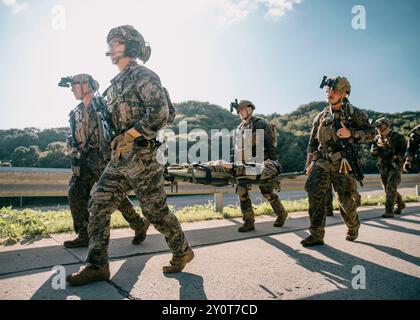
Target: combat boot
(140, 232)
(177, 264)
(388, 215)
(400, 208)
(87, 275)
(82, 241)
(281, 220)
(248, 225)
(312, 241)
(352, 234)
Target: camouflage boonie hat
(244, 104)
(86, 78)
(382, 121)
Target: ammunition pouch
(332, 147)
(330, 152)
(147, 144)
(335, 157)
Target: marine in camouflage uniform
(325, 161)
(84, 124)
(412, 147)
(252, 123)
(139, 110)
(389, 147)
(329, 207)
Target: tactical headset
(133, 49)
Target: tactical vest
(270, 141)
(387, 153)
(385, 143)
(125, 104)
(327, 136)
(86, 129)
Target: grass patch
(18, 224)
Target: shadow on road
(397, 253)
(390, 226)
(381, 282)
(191, 286)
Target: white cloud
(15, 6)
(236, 10)
(278, 8)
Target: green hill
(34, 147)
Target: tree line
(32, 147)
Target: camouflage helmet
(382, 122)
(86, 78)
(342, 85)
(244, 104)
(416, 130)
(136, 47)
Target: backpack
(172, 111)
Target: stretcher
(219, 176)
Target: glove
(407, 166)
(76, 171)
(122, 144)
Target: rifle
(105, 125)
(350, 161)
(75, 153)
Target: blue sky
(273, 52)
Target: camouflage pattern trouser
(329, 207)
(138, 171)
(246, 204)
(317, 185)
(79, 194)
(391, 178)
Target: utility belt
(330, 151)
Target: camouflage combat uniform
(136, 100)
(323, 144)
(92, 163)
(329, 206)
(270, 153)
(390, 152)
(413, 143)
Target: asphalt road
(269, 263)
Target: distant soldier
(412, 147)
(139, 107)
(336, 130)
(85, 142)
(389, 147)
(250, 124)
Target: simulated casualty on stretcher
(220, 173)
